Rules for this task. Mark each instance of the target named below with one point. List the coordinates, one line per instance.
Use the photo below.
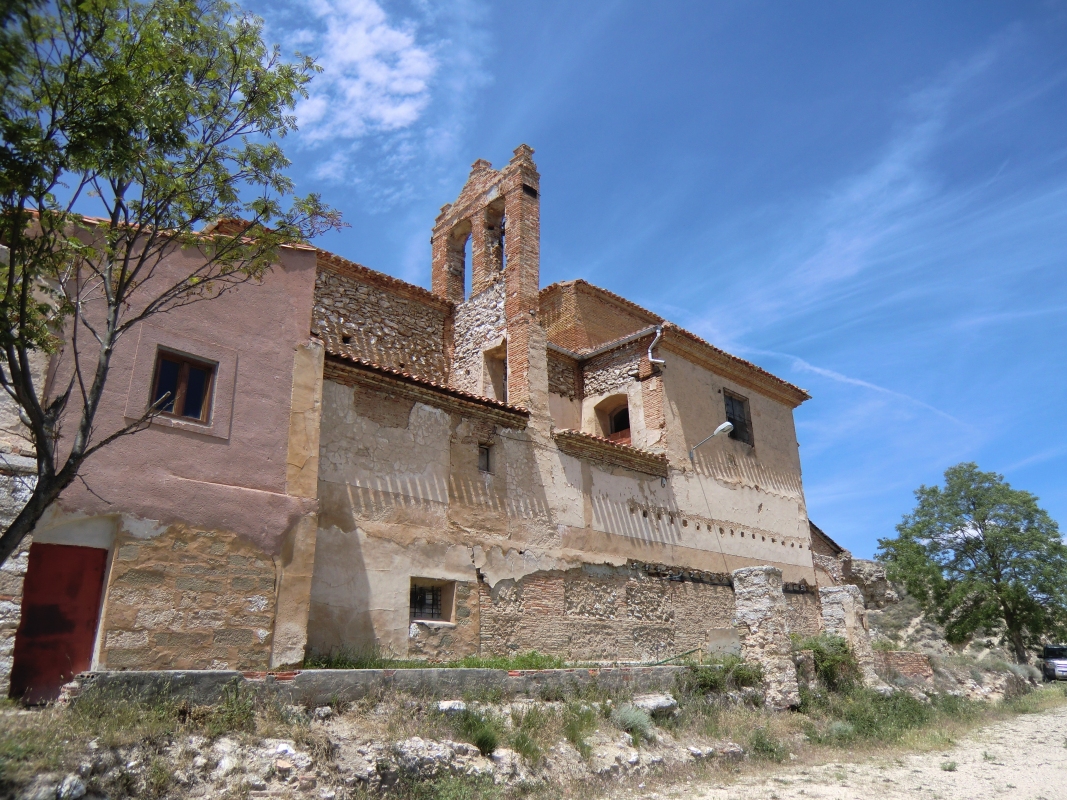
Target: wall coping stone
(314, 687)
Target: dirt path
(1023, 759)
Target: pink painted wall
(229, 477)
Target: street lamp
(726, 427)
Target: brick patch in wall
(905, 663)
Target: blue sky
(869, 200)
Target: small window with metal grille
(737, 414)
(426, 602)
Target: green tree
(979, 555)
(162, 117)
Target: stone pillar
(760, 616)
(297, 562)
(844, 615)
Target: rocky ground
(1023, 759)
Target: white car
(1055, 662)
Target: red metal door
(60, 610)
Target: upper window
(619, 426)
(183, 386)
(737, 414)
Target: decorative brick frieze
(594, 448)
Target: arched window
(620, 422)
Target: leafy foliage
(835, 665)
(725, 674)
(979, 555)
(164, 117)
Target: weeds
(635, 722)
(949, 766)
(375, 658)
(480, 729)
(764, 745)
(578, 721)
(835, 666)
(728, 673)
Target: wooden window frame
(185, 362)
(747, 436)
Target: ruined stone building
(487, 467)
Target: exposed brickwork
(188, 599)
(578, 316)
(359, 314)
(584, 445)
(905, 663)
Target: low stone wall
(906, 663)
(322, 686)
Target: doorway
(60, 611)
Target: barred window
(426, 602)
(737, 414)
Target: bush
(763, 744)
(728, 673)
(835, 666)
(578, 720)
(479, 729)
(635, 722)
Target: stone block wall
(564, 376)
(479, 322)
(844, 615)
(375, 318)
(16, 485)
(613, 370)
(188, 599)
(803, 613)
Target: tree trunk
(1021, 656)
(44, 494)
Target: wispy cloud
(376, 74)
(801, 365)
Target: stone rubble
(275, 768)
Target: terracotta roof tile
(415, 379)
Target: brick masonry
(188, 599)
(905, 663)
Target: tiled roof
(586, 445)
(800, 394)
(427, 384)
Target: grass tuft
(635, 722)
(835, 665)
(764, 745)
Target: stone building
(482, 468)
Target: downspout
(652, 359)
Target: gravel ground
(1022, 759)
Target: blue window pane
(196, 392)
(167, 384)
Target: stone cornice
(587, 446)
(353, 372)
